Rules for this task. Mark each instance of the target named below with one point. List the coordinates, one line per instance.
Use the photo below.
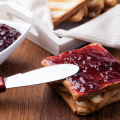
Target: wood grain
(41, 102)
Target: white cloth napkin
(104, 29)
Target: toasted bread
(79, 15)
(61, 10)
(90, 10)
(110, 3)
(96, 5)
(90, 105)
(94, 9)
(97, 80)
(88, 71)
(93, 14)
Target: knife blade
(38, 76)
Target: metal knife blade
(42, 75)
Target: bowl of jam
(11, 36)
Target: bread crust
(110, 3)
(90, 105)
(94, 8)
(95, 5)
(106, 99)
(78, 97)
(67, 13)
(77, 109)
(79, 15)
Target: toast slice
(61, 10)
(109, 4)
(96, 5)
(90, 10)
(83, 12)
(90, 105)
(99, 71)
(93, 9)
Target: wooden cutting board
(41, 102)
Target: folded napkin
(104, 29)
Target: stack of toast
(75, 10)
(95, 85)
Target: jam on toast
(97, 79)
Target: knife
(38, 76)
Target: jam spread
(97, 68)
(7, 36)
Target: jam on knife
(7, 36)
(97, 68)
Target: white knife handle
(2, 85)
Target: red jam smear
(7, 36)
(97, 68)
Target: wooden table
(41, 102)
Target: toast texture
(95, 85)
(90, 105)
(61, 10)
(79, 15)
(94, 8)
(89, 65)
(109, 4)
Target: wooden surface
(41, 102)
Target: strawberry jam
(7, 36)
(97, 68)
